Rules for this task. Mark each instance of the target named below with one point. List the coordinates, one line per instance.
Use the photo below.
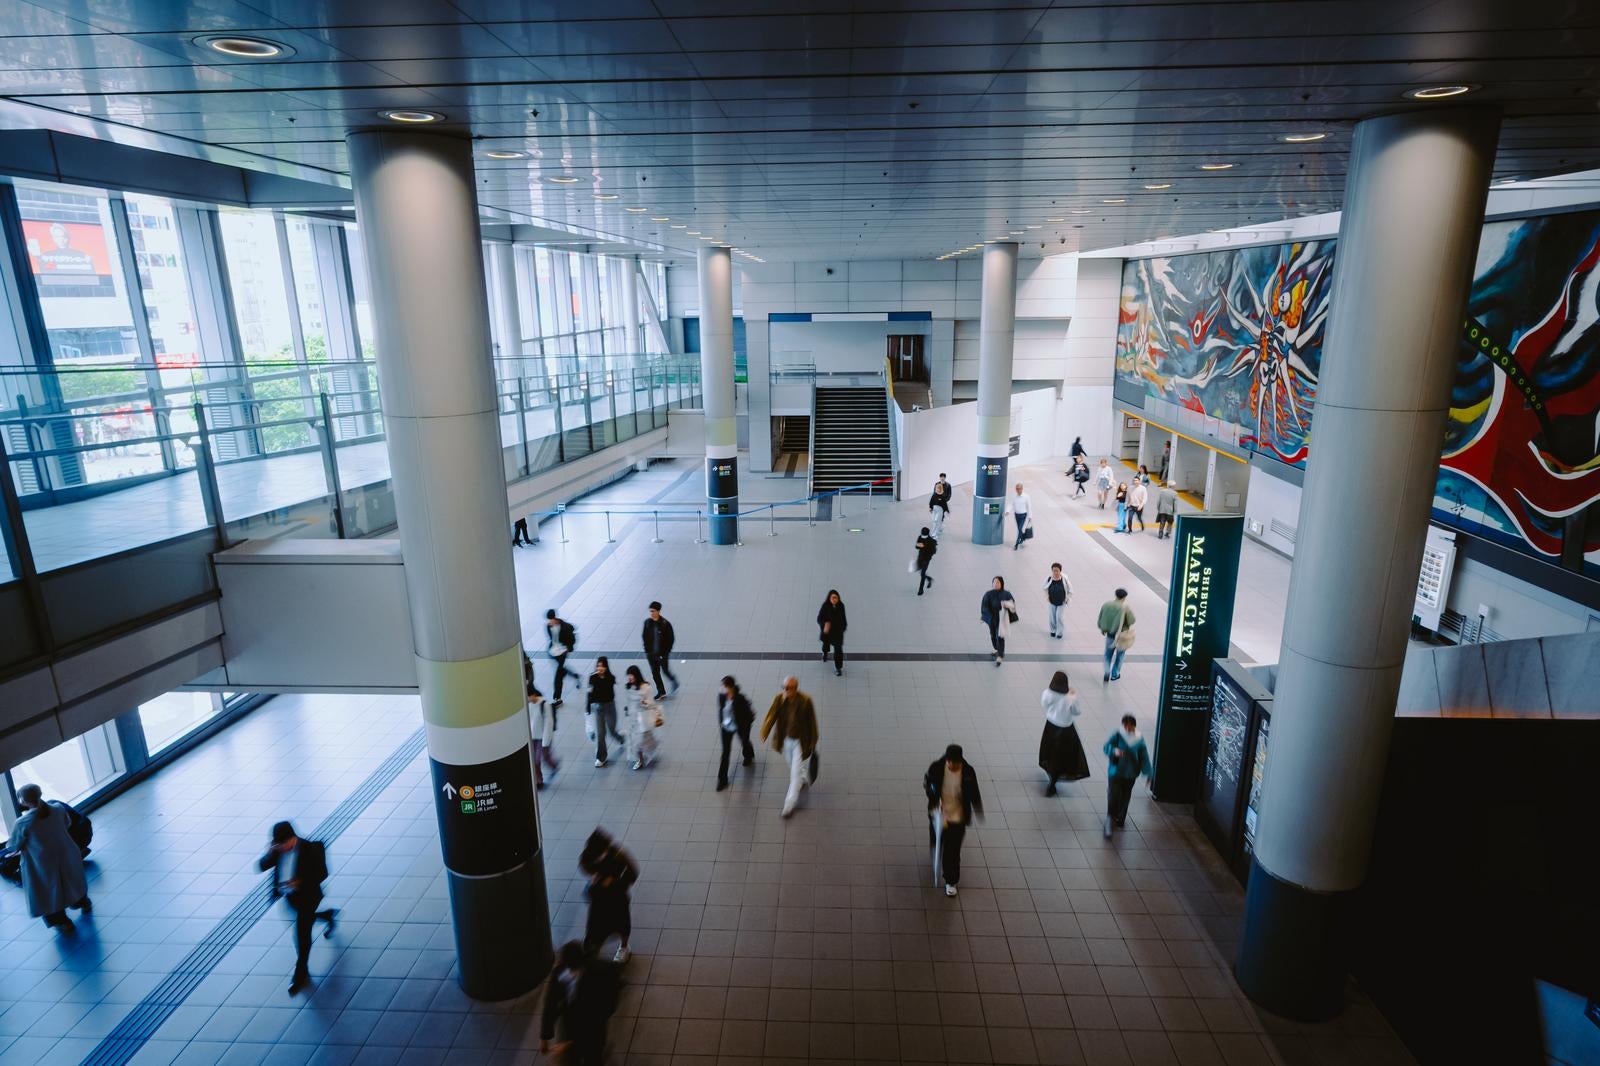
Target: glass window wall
(169, 718)
(74, 769)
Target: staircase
(851, 439)
(796, 434)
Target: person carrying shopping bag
(1116, 625)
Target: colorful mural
(1236, 334)
(1522, 445)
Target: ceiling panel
(889, 127)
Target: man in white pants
(792, 724)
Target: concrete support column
(716, 379)
(1407, 242)
(507, 310)
(630, 307)
(997, 334)
(418, 218)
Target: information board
(1433, 580)
(991, 481)
(1205, 570)
(487, 821)
(1258, 767)
(1217, 805)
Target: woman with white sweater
(639, 715)
(1060, 751)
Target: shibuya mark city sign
(1205, 569)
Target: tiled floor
(820, 938)
(169, 507)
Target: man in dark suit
(658, 641)
(581, 994)
(304, 888)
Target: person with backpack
(563, 637)
(1116, 625)
(1103, 480)
(580, 997)
(50, 862)
(927, 545)
(611, 872)
(309, 859)
(1129, 759)
(541, 726)
(1058, 591)
(734, 716)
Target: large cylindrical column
(716, 384)
(419, 224)
(997, 327)
(1407, 241)
(630, 306)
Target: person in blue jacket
(1129, 760)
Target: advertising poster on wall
(69, 256)
(1205, 570)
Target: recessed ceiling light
(1078, 211)
(1055, 220)
(244, 47)
(680, 225)
(504, 155)
(414, 117)
(1159, 185)
(1440, 92)
(1115, 200)
(1014, 233)
(636, 210)
(661, 218)
(562, 179)
(691, 232)
(1216, 166)
(1302, 138)
(607, 196)
(1030, 227)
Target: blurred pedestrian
(1080, 476)
(304, 892)
(51, 862)
(579, 997)
(735, 716)
(658, 641)
(1061, 754)
(951, 787)
(1166, 460)
(611, 872)
(541, 725)
(998, 610)
(927, 545)
(562, 637)
(831, 624)
(791, 722)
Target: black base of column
(502, 927)
(1293, 957)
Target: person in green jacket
(1129, 759)
(1116, 625)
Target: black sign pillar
(1205, 569)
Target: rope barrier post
(609, 538)
(772, 521)
(562, 515)
(656, 516)
(869, 497)
(811, 511)
(839, 496)
(699, 527)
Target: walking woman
(831, 625)
(611, 872)
(998, 610)
(1122, 508)
(602, 709)
(541, 726)
(640, 712)
(1102, 482)
(735, 716)
(1061, 754)
(51, 862)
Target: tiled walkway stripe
(141, 1023)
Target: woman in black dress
(611, 872)
(831, 625)
(1060, 751)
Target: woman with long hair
(998, 610)
(1061, 754)
(639, 711)
(831, 625)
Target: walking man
(735, 716)
(791, 722)
(1021, 507)
(1116, 625)
(927, 545)
(1166, 511)
(1138, 496)
(580, 996)
(1166, 461)
(563, 638)
(658, 640)
(939, 506)
(951, 785)
(519, 532)
(304, 888)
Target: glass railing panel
(77, 530)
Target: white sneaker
(638, 764)
(621, 956)
(788, 809)
(598, 763)
(950, 890)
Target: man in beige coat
(792, 724)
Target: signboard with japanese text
(1205, 569)
(487, 821)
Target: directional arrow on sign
(449, 790)
(1182, 665)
